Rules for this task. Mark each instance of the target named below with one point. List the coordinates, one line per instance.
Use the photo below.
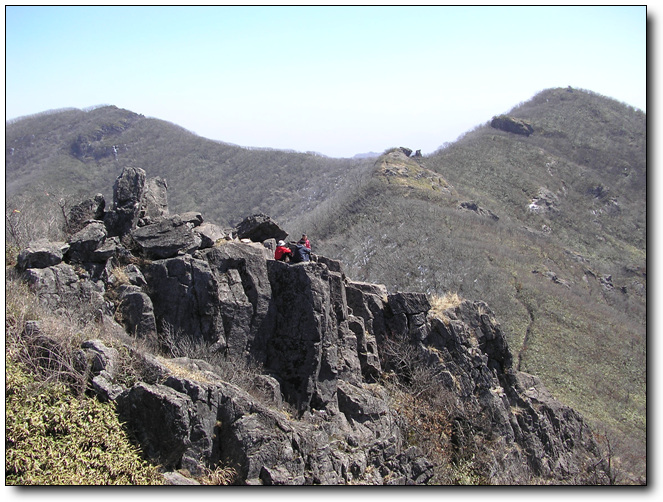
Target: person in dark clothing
(301, 253)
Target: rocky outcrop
(128, 192)
(475, 208)
(512, 124)
(545, 202)
(315, 411)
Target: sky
(334, 80)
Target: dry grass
(222, 475)
(189, 373)
(440, 304)
(120, 276)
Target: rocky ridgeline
(322, 417)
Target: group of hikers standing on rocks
(295, 252)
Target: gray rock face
(61, 289)
(185, 298)
(163, 413)
(367, 302)
(87, 245)
(475, 362)
(154, 201)
(211, 420)
(89, 209)
(221, 297)
(245, 295)
(304, 343)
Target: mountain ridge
(563, 265)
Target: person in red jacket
(282, 252)
(304, 241)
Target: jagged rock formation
(317, 412)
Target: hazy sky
(335, 80)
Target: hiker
(304, 241)
(301, 253)
(282, 252)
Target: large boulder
(209, 234)
(471, 205)
(85, 242)
(101, 358)
(192, 218)
(135, 312)
(259, 228)
(41, 254)
(545, 202)
(165, 239)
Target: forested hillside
(547, 227)
(72, 152)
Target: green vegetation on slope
(54, 438)
(77, 153)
